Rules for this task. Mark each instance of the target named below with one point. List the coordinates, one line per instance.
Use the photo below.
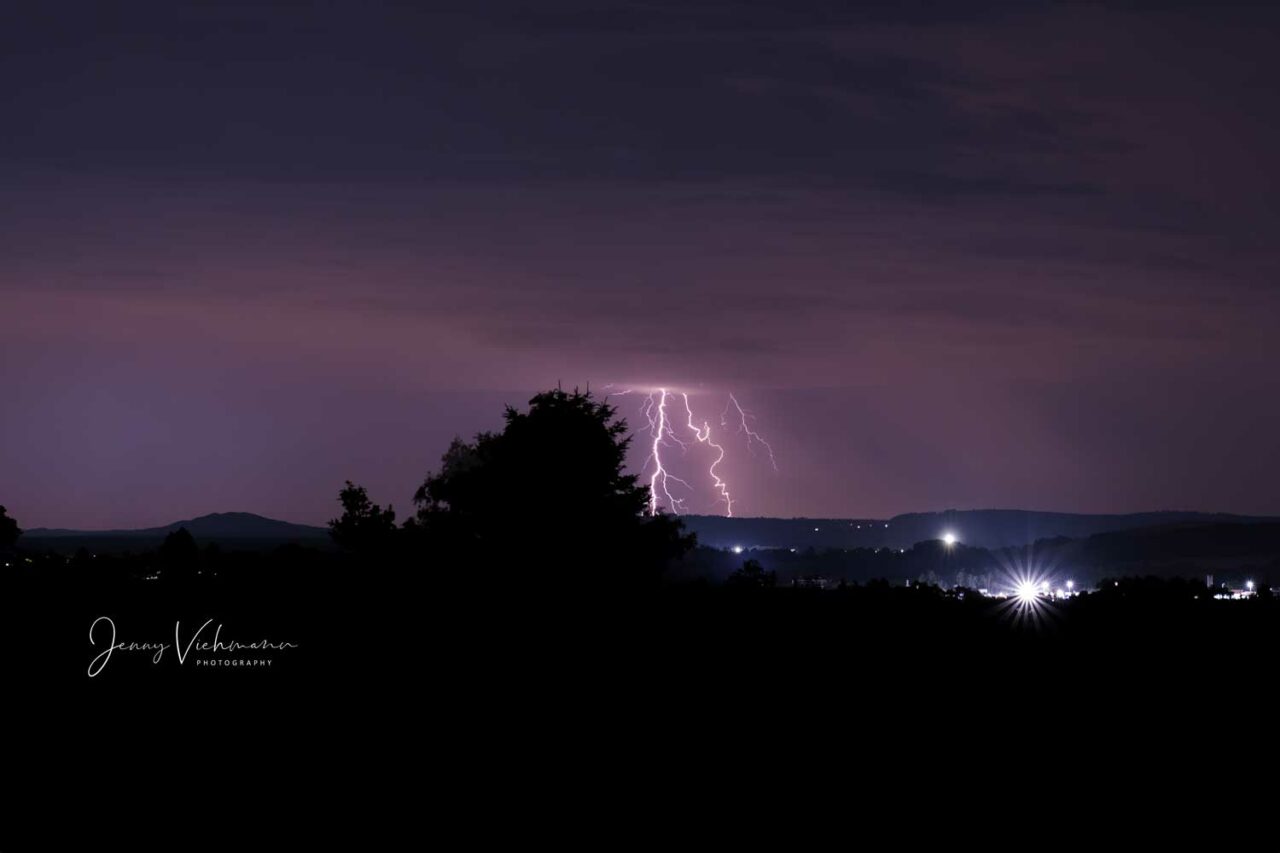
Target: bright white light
(949, 539)
(1071, 584)
(1249, 584)
(737, 549)
(1029, 594)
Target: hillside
(987, 528)
(241, 529)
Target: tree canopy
(550, 488)
(364, 526)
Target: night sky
(1017, 256)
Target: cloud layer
(1019, 256)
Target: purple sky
(1019, 257)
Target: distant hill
(984, 528)
(241, 528)
(1231, 553)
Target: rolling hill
(984, 528)
(242, 529)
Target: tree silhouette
(364, 527)
(752, 576)
(179, 555)
(550, 484)
(9, 530)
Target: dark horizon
(1012, 255)
(971, 527)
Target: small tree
(364, 527)
(9, 530)
(179, 555)
(752, 576)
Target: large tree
(548, 496)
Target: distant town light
(737, 549)
(1071, 584)
(1249, 585)
(949, 538)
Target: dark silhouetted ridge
(217, 525)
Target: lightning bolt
(662, 436)
(743, 427)
(704, 435)
(655, 411)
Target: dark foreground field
(567, 709)
(361, 635)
